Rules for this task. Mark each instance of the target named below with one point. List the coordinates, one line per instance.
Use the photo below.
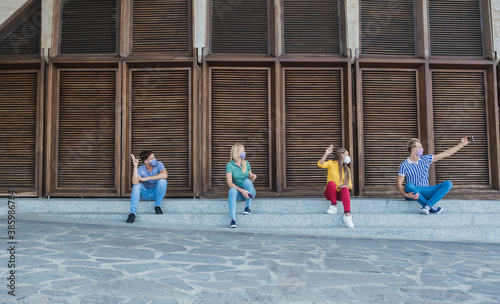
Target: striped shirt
(417, 173)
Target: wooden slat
(160, 26)
(239, 26)
(311, 26)
(239, 114)
(18, 99)
(160, 121)
(459, 110)
(313, 121)
(89, 26)
(387, 27)
(25, 38)
(389, 121)
(86, 142)
(455, 28)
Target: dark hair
(145, 154)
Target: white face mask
(347, 159)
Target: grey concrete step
(279, 206)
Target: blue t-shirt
(142, 171)
(417, 173)
(238, 176)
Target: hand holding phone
(470, 138)
(250, 195)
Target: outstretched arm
(451, 151)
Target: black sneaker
(247, 211)
(436, 210)
(131, 218)
(158, 210)
(233, 224)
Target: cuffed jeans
(140, 192)
(235, 195)
(429, 195)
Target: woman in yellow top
(338, 182)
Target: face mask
(347, 159)
(153, 162)
(243, 155)
(420, 152)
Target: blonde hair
(234, 156)
(412, 143)
(338, 156)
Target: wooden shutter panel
(313, 109)
(240, 26)
(455, 28)
(240, 114)
(161, 26)
(459, 108)
(18, 103)
(86, 141)
(387, 27)
(389, 121)
(89, 26)
(160, 121)
(25, 38)
(311, 27)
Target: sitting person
(150, 183)
(240, 181)
(415, 169)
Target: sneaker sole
(233, 226)
(247, 213)
(424, 212)
(331, 212)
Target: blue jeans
(140, 192)
(429, 195)
(235, 195)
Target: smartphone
(250, 195)
(470, 138)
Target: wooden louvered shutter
(240, 26)
(161, 26)
(89, 26)
(459, 108)
(389, 109)
(387, 27)
(240, 114)
(455, 28)
(25, 38)
(313, 121)
(18, 104)
(311, 27)
(87, 131)
(160, 121)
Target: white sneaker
(348, 221)
(332, 209)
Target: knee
(162, 182)
(448, 184)
(410, 187)
(247, 183)
(331, 184)
(136, 188)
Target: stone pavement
(59, 262)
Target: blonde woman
(338, 181)
(240, 181)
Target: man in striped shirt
(416, 171)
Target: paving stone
(95, 273)
(41, 276)
(137, 268)
(168, 247)
(121, 253)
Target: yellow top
(333, 173)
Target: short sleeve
(142, 171)
(401, 170)
(325, 165)
(228, 168)
(160, 166)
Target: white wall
(8, 7)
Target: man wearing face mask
(416, 171)
(150, 183)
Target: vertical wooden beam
(425, 114)
(343, 28)
(126, 122)
(359, 125)
(125, 28)
(56, 29)
(51, 110)
(40, 123)
(422, 29)
(487, 29)
(493, 125)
